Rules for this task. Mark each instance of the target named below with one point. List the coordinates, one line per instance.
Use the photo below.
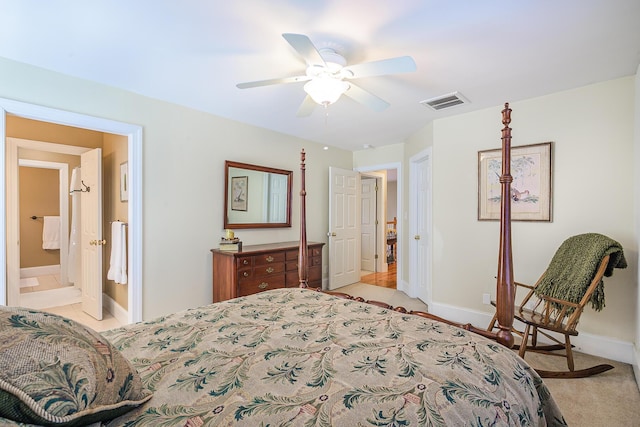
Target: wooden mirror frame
(289, 174)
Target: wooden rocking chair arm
(560, 301)
(523, 285)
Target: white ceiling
(194, 52)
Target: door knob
(98, 242)
(417, 237)
(330, 234)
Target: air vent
(445, 101)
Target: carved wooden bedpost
(303, 269)
(505, 299)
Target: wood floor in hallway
(385, 280)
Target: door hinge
(376, 256)
(376, 187)
(376, 222)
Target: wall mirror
(256, 196)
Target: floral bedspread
(294, 357)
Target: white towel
(51, 232)
(118, 264)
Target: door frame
(134, 138)
(401, 285)
(413, 290)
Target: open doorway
(133, 137)
(379, 230)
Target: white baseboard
(44, 270)
(116, 310)
(596, 345)
(403, 286)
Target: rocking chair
(556, 301)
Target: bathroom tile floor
(40, 283)
(74, 312)
(71, 311)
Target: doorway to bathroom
(129, 169)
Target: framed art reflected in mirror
(256, 196)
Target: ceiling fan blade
(402, 64)
(307, 107)
(366, 98)
(281, 80)
(302, 44)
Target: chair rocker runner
(556, 301)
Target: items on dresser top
(257, 268)
(232, 244)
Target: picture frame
(531, 195)
(239, 193)
(124, 181)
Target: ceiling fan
(328, 76)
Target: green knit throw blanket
(575, 263)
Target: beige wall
(114, 153)
(592, 133)
(183, 184)
(39, 196)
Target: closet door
(91, 240)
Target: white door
(344, 227)
(91, 232)
(368, 223)
(420, 208)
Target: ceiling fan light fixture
(325, 90)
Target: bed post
(303, 271)
(505, 286)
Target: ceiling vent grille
(445, 101)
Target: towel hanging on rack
(118, 263)
(51, 232)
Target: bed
(285, 357)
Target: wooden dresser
(258, 268)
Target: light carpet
(608, 399)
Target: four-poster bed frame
(285, 356)
(505, 287)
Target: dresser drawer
(315, 273)
(261, 284)
(244, 275)
(265, 270)
(292, 265)
(244, 261)
(271, 258)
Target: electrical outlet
(486, 299)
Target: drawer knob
(263, 285)
(245, 261)
(245, 274)
(270, 270)
(269, 258)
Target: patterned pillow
(54, 371)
